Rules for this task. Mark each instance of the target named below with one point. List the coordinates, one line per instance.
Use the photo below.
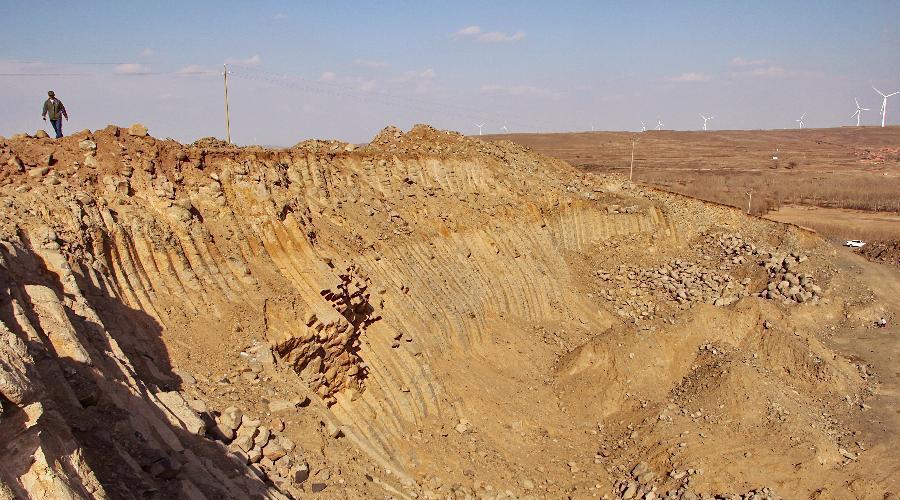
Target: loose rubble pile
(250, 442)
(887, 252)
(734, 247)
(639, 292)
(646, 484)
(680, 281)
(786, 283)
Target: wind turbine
(884, 103)
(859, 111)
(659, 125)
(479, 127)
(705, 119)
(643, 127)
(506, 130)
(800, 121)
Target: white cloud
(279, 16)
(469, 31)
(689, 78)
(518, 90)
(766, 72)
(410, 76)
(370, 63)
(740, 61)
(131, 69)
(195, 69)
(147, 52)
(355, 82)
(254, 60)
(501, 37)
(474, 33)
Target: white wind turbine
(800, 121)
(479, 127)
(859, 111)
(659, 125)
(506, 130)
(643, 127)
(884, 103)
(705, 119)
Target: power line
(76, 63)
(377, 97)
(148, 73)
(300, 83)
(369, 92)
(47, 74)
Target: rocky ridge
(242, 322)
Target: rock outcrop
(418, 317)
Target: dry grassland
(852, 168)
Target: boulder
(243, 443)
(179, 413)
(16, 164)
(255, 455)
(91, 161)
(280, 405)
(137, 130)
(41, 134)
(38, 172)
(262, 436)
(273, 451)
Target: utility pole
(227, 117)
(749, 200)
(631, 173)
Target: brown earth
(839, 225)
(428, 316)
(887, 252)
(850, 167)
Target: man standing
(54, 107)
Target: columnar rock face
(422, 283)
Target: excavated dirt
(887, 252)
(428, 316)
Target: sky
(344, 70)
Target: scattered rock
(38, 172)
(16, 164)
(280, 405)
(87, 145)
(231, 418)
(137, 130)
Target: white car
(854, 243)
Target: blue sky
(346, 69)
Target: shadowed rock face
(424, 282)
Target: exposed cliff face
(424, 282)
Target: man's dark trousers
(57, 127)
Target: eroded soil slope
(428, 316)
